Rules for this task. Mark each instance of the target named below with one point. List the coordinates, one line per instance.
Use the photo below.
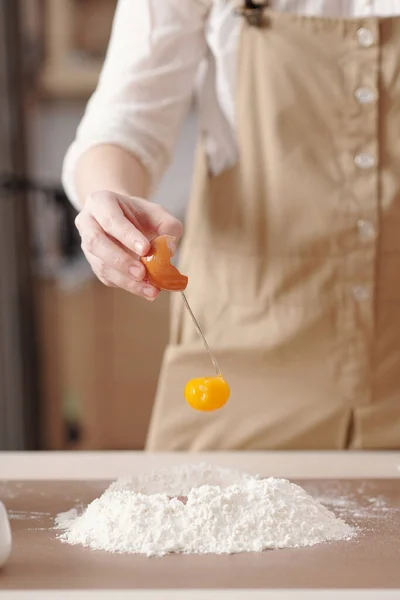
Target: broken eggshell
(160, 272)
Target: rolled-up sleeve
(145, 86)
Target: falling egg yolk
(207, 393)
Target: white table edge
(294, 594)
(111, 465)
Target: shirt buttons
(366, 229)
(365, 37)
(364, 160)
(365, 95)
(361, 293)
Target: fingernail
(135, 272)
(148, 291)
(138, 247)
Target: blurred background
(79, 362)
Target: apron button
(361, 293)
(366, 229)
(365, 95)
(364, 160)
(365, 37)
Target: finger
(163, 223)
(111, 277)
(110, 252)
(153, 219)
(111, 218)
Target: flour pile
(200, 509)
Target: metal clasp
(252, 11)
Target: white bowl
(5, 535)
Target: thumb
(161, 222)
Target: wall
(52, 128)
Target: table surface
(364, 488)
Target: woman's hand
(115, 230)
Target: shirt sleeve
(146, 84)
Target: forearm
(108, 167)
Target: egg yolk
(207, 393)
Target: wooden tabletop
(43, 484)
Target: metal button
(364, 160)
(366, 229)
(365, 95)
(365, 37)
(361, 293)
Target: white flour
(200, 509)
(348, 503)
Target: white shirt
(160, 52)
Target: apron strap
(252, 11)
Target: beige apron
(293, 255)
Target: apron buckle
(252, 12)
